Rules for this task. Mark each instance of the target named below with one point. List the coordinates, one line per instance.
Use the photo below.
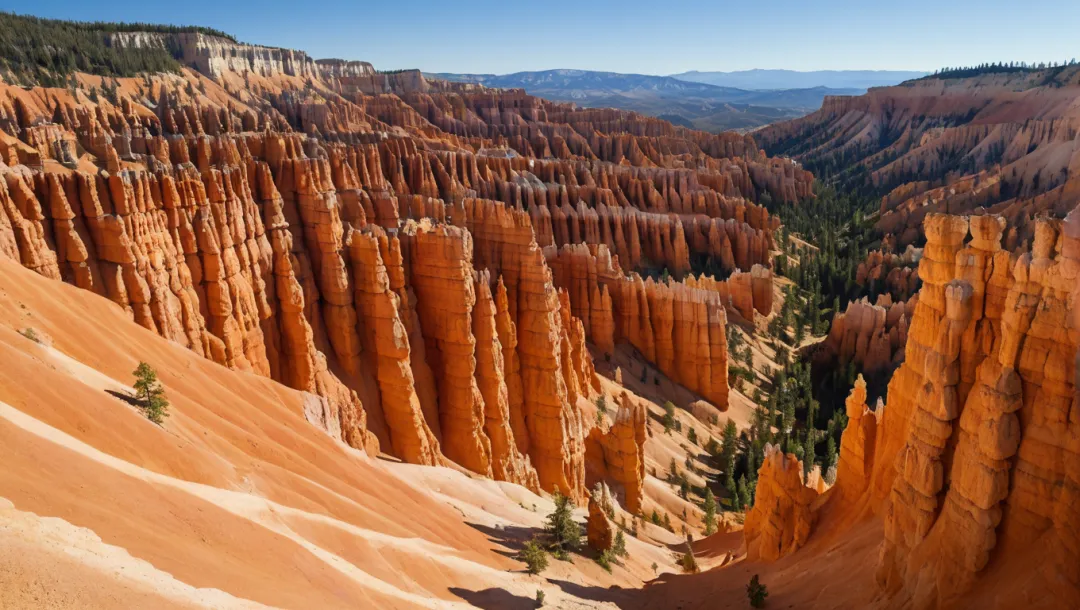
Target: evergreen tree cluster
(996, 68)
(839, 235)
(35, 51)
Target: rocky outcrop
(578, 370)
(948, 306)
(214, 56)
(508, 462)
(781, 520)
(617, 455)
(515, 392)
(505, 244)
(677, 326)
(897, 274)
(743, 292)
(973, 452)
(857, 446)
(386, 344)
(870, 336)
(597, 528)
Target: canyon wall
(997, 143)
(872, 337)
(679, 328)
(394, 244)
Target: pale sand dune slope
(237, 501)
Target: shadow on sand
(128, 398)
(494, 599)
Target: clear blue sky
(649, 37)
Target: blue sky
(649, 37)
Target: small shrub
(534, 556)
(756, 592)
(654, 567)
(604, 559)
(30, 334)
(688, 562)
(539, 598)
(669, 417)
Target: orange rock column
(442, 276)
(386, 346)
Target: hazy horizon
(634, 36)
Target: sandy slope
(237, 501)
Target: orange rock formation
(677, 326)
(618, 454)
(871, 336)
(966, 457)
(364, 237)
(597, 528)
(781, 520)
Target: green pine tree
(150, 393)
(709, 506)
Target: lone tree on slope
(151, 394)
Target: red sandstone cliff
(680, 328)
(1003, 144)
(383, 241)
(870, 336)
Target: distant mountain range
(792, 79)
(692, 104)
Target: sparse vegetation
(995, 68)
(688, 562)
(30, 334)
(540, 598)
(564, 533)
(534, 556)
(756, 592)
